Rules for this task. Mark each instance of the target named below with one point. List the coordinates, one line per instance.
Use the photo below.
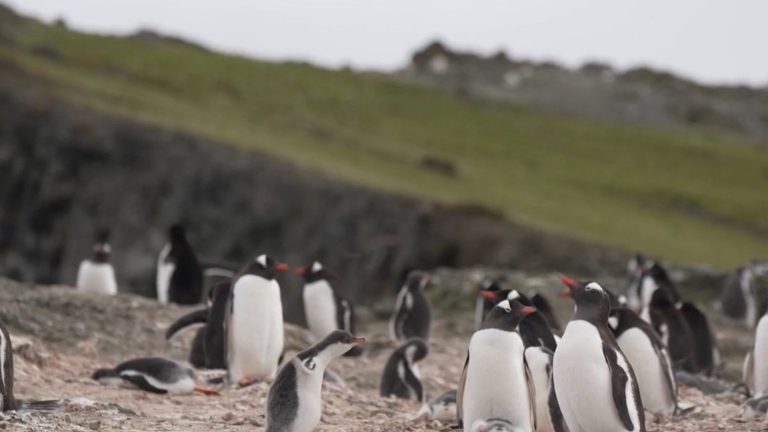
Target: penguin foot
(206, 391)
(246, 381)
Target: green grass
(684, 195)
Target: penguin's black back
(197, 351)
(535, 331)
(6, 386)
(542, 305)
(186, 284)
(419, 319)
(681, 343)
(283, 400)
(214, 330)
(391, 382)
(703, 337)
(162, 369)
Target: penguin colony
(523, 371)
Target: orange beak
(299, 271)
(281, 267)
(488, 295)
(358, 341)
(527, 310)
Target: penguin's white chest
(760, 358)
(583, 381)
(496, 385)
(164, 273)
(96, 278)
(255, 329)
(320, 308)
(309, 387)
(539, 365)
(651, 375)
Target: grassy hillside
(682, 195)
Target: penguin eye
(310, 363)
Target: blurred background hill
(454, 160)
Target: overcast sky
(710, 40)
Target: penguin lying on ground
(153, 374)
(325, 308)
(96, 275)
(294, 402)
(483, 391)
(207, 349)
(254, 322)
(8, 401)
(412, 314)
(649, 358)
(401, 374)
(441, 408)
(590, 370)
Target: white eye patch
(513, 295)
(594, 286)
(505, 305)
(316, 266)
(613, 322)
(262, 259)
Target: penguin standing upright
(179, 274)
(650, 359)
(7, 400)
(674, 331)
(96, 275)
(595, 385)
(325, 308)
(153, 374)
(294, 402)
(412, 315)
(484, 305)
(756, 364)
(737, 299)
(401, 376)
(254, 324)
(484, 390)
(706, 350)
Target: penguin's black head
(415, 349)
(177, 234)
(506, 294)
(266, 267)
(506, 315)
(417, 281)
(592, 301)
(662, 299)
(313, 272)
(101, 252)
(102, 235)
(335, 344)
(491, 284)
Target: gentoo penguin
(649, 358)
(494, 425)
(325, 308)
(254, 324)
(484, 390)
(756, 364)
(594, 382)
(707, 353)
(294, 402)
(738, 298)
(207, 349)
(96, 275)
(7, 400)
(401, 377)
(484, 305)
(179, 274)
(549, 418)
(441, 408)
(152, 374)
(674, 331)
(533, 328)
(412, 314)
(545, 309)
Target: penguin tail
(37, 405)
(206, 391)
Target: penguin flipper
(194, 317)
(619, 380)
(460, 393)
(531, 394)
(555, 414)
(748, 371)
(141, 382)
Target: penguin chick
(401, 374)
(294, 402)
(153, 374)
(441, 408)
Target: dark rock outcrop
(66, 171)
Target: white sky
(715, 41)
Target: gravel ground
(61, 336)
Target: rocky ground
(61, 336)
